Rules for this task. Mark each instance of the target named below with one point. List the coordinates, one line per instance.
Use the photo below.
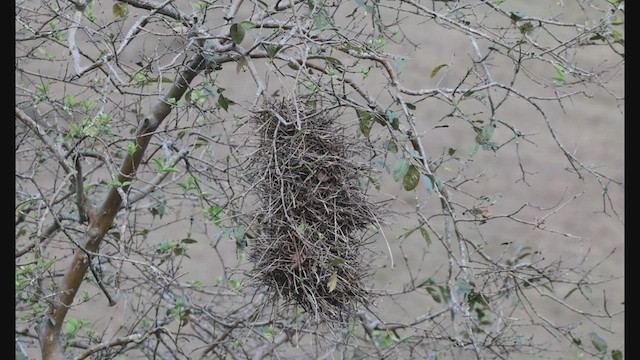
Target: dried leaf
(333, 282)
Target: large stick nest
(311, 225)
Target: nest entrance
(314, 215)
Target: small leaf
(336, 262)
(526, 28)
(516, 16)
(434, 294)
(425, 236)
(247, 25)
(487, 132)
(333, 282)
(120, 10)
(223, 102)
(188, 241)
(616, 355)
(321, 21)
(598, 342)
(436, 69)
(411, 178)
(242, 62)
(239, 233)
(365, 122)
(401, 168)
(428, 183)
(272, 50)
(237, 33)
(391, 146)
(617, 21)
(411, 106)
(560, 78)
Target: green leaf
(401, 168)
(617, 21)
(569, 293)
(242, 62)
(237, 32)
(617, 36)
(391, 146)
(516, 16)
(411, 106)
(336, 262)
(235, 285)
(188, 241)
(131, 148)
(598, 342)
(616, 355)
(321, 22)
(560, 78)
(272, 50)
(477, 298)
(247, 24)
(526, 28)
(428, 183)
(436, 69)
(365, 122)
(239, 233)
(411, 178)
(167, 245)
(425, 236)
(223, 102)
(487, 132)
(434, 294)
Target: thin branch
(55, 149)
(135, 338)
(171, 12)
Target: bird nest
(311, 225)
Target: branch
(267, 348)
(160, 9)
(137, 27)
(75, 54)
(45, 235)
(57, 151)
(101, 220)
(220, 339)
(136, 338)
(153, 183)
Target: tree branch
(101, 220)
(136, 338)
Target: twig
(135, 338)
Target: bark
(101, 218)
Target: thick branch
(101, 220)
